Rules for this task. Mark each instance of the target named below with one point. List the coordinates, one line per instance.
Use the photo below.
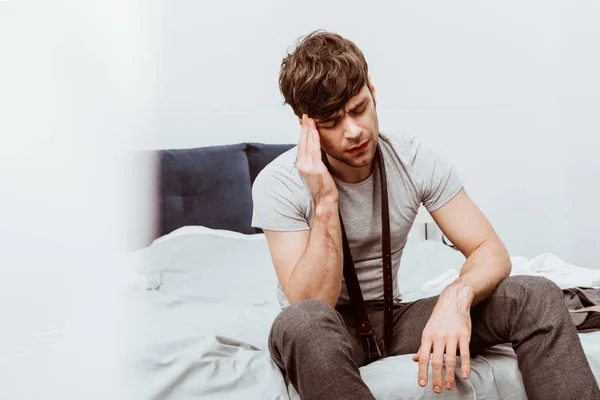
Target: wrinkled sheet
(182, 347)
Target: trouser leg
(311, 345)
(530, 313)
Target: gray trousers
(316, 348)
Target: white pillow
(225, 266)
(211, 265)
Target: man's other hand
(448, 330)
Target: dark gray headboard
(211, 186)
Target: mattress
(200, 303)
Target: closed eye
(359, 111)
(330, 124)
(360, 107)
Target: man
(299, 199)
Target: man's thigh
(409, 321)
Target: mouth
(359, 148)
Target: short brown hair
(322, 74)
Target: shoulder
(407, 149)
(281, 177)
(281, 200)
(419, 159)
(281, 170)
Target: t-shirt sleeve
(436, 178)
(278, 202)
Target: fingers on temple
(303, 141)
(316, 144)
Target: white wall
(75, 92)
(508, 90)
(580, 101)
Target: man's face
(350, 136)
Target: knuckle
(307, 170)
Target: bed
(201, 297)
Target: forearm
(318, 273)
(482, 272)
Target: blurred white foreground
(75, 94)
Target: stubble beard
(359, 161)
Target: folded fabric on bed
(584, 306)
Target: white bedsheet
(182, 346)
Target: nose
(352, 130)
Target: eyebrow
(337, 117)
(330, 121)
(360, 104)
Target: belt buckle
(365, 343)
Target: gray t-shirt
(415, 175)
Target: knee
(534, 291)
(304, 319)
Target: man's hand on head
(311, 166)
(448, 330)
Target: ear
(372, 89)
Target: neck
(347, 173)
